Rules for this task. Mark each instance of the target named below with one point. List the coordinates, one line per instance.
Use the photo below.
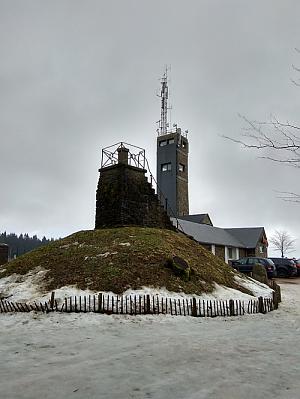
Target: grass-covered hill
(117, 259)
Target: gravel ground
(99, 356)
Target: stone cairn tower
(124, 196)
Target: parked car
(245, 265)
(297, 261)
(285, 267)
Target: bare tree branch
(288, 196)
(282, 242)
(279, 141)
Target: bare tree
(276, 141)
(282, 242)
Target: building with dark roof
(229, 243)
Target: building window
(181, 167)
(232, 253)
(183, 143)
(165, 167)
(261, 249)
(162, 143)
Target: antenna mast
(164, 94)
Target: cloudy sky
(76, 76)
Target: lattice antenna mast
(164, 95)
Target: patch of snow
(25, 287)
(66, 292)
(29, 287)
(256, 287)
(105, 255)
(125, 244)
(66, 246)
(219, 292)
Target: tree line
(20, 244)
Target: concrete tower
(172, 161)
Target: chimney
(123, 155)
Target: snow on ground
(29, 288)
(161, 357)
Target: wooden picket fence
(276, 292)
(144, 304)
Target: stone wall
(242, 252)
(125, 197)
(206, 246)
(3, 254)
(220, 251)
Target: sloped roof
(249, 236)
(246, 237)
(198, 218)
(207, 234)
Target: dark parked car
(285, 267)
(245, 265)
(297, 261)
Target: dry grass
(121, 258)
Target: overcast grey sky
(76, 76)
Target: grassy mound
(120, 258)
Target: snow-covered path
(97, 356)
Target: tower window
(162, 143)
(181, 167)
(165, 167)
(171, 141)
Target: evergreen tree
(19, 245)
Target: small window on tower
(165, 167)
(183, 143)
(181, 167)
(162, 143)
(171, 141)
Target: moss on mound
(120, 258)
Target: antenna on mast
(164, 95)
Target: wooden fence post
(194, 307)
(147, 310)
(100, 303)
(275, 300)
(278, 292)
(231, 307)
(261, 307)
(52, 300)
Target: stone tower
(124, 196)
(172, 161)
